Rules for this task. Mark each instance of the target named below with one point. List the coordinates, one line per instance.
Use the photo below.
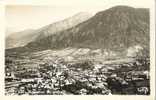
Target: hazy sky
(20, 17)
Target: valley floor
(27, 75)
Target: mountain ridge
(116, 29)
(19, 39)
(107, 26)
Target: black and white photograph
(77, 50)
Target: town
(84, 77)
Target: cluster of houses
(81, 78)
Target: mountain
(117, 29)
(19, 39)
(63, 25)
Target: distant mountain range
(19, 39)
(118, 29)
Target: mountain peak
(83, 13)
(122, 7)
(63, 25)
(117, 28)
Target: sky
(29, 16)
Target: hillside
(22, 38)
(116, 29)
